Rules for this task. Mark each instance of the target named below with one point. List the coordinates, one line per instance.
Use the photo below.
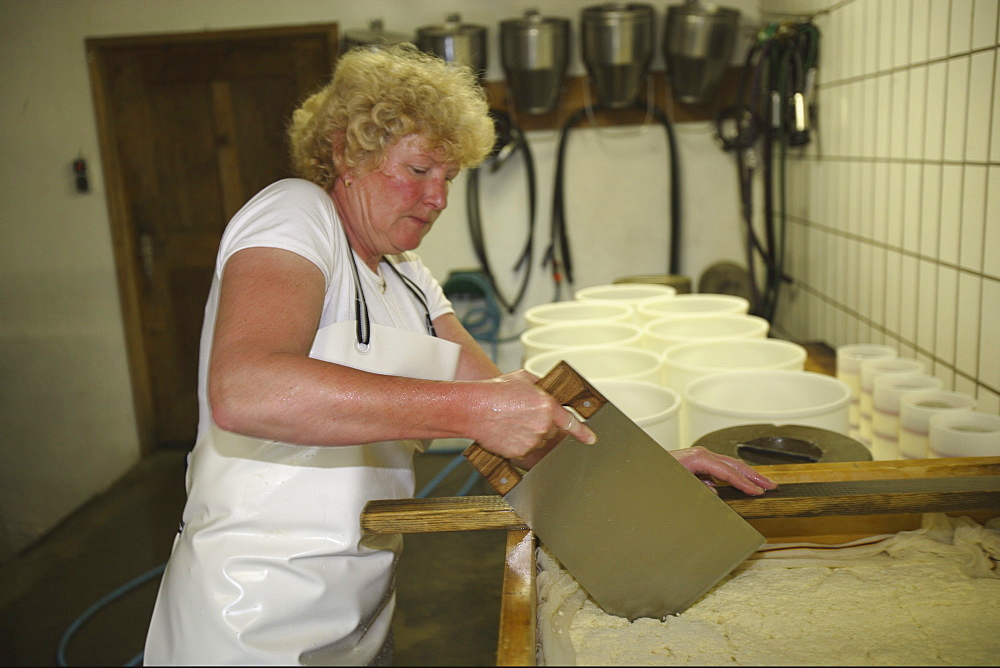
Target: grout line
(906, 161)
(955, 334)
(886, 246)
(986, 207)
(809, 290)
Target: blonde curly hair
(377, 96)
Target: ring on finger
(570, 424)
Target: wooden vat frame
(517, 638)
(873, 499)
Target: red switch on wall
(80, 169)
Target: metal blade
(643, 535)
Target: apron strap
(363, 332)
(363, 329)
(416, 292)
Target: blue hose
(473, 478)
(442, 474)
(96, 607)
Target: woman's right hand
(517, 417)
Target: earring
(347, 182)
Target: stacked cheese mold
(924, 597)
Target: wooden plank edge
(517, 635)
(446, 513)
(833, 529)
(882, 470)
(869, 504)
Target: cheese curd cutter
(643, 535)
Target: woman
(324, 331)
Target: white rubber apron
(270, 566)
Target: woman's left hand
(703, 462)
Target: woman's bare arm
(262, 382)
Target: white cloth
(271, 566)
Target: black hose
(507, 133)
(557, 231)
(776, 66)
(559, 237)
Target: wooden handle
(567, 387)
(571, 389)
(499, 472)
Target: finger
(732, 471)
(580, 431)
(742, 473)
(737, 479)
(701, 461)
(749, 472)
(570, 420)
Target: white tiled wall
(894, 207)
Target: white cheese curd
(924, 597)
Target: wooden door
(191, 127)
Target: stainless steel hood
(617, 44)
(456, 42)
(698, 43)
(535, 54)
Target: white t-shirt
(298, 216)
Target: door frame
(128, 269)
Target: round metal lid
(618, 11)
(533, 20)
(767, 444)
(705, 11)
(375, 33)
(452, 27)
